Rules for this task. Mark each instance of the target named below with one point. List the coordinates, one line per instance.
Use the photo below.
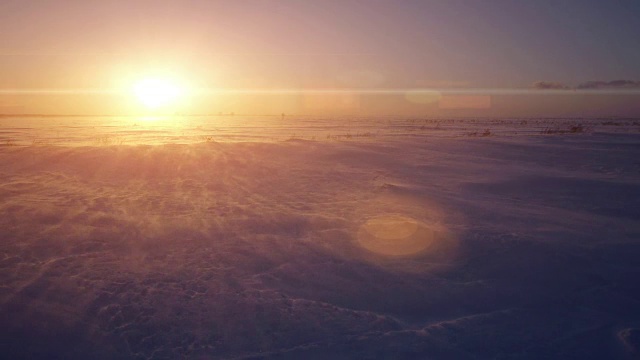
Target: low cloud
(550, 85)
(615, 84)
(588, 85)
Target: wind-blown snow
(340, 238)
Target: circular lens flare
(395, 235)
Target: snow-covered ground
(319, 238)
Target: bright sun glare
(157, 92)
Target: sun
(155, 93)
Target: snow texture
(245, 238)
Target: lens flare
(395, 235)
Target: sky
(93, 50)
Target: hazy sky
(296, 44)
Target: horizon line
(320, 91)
